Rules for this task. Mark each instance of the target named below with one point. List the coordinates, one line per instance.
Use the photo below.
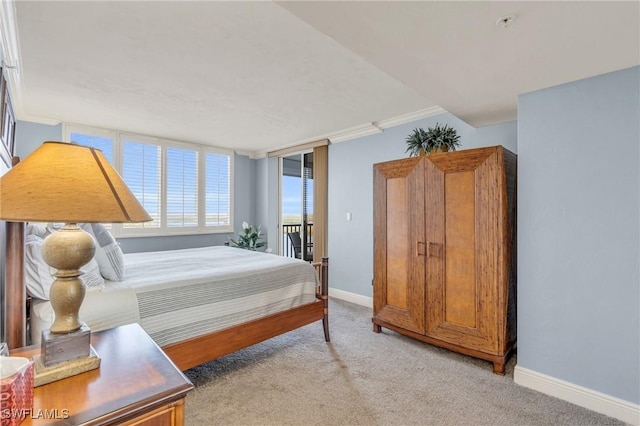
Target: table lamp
(66, 183)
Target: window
(96, 139)
(218, 189)
(182, 188)
(185, 188)
(104, 144)
(141, 171)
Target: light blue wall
(267, 210)
(262, 197)
(30, 136)
(578, 233)
(351, 190)
(274, 197)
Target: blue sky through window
(103, 144)
(182, 187)
(217, 187)
(292, 195)
(141, 172)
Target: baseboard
(578, 395)
(358, 299)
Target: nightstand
(136, 384)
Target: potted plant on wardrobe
(434, 139)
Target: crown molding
(357, 131)
(39, 120)
(354, 132)
(379, 126)
(254, 155)
(340, 136)
(298, 148)
(11, 56)
(412, 116)
(258, 155)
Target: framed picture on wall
(7, 123)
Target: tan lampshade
(62, 182)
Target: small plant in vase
(434, 139)
(249, 238)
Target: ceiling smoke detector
(505, 21)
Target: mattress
(180, 294)
(103, 307)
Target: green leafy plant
(434, 139)
(249, 238)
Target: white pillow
(37, 229)
(108, 253)
(39, 275)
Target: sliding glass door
(296, 202)
(303, 195)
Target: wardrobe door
(399, 249)
(464, 213)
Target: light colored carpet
(364, 378)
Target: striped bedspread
(187, 293)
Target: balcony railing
(286, 241)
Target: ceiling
(259, 76)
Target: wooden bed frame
(185, 354)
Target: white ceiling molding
(37, 119)
(11, 52)
(11, 63)
(412, 116)
(354, 132)
(357, 131)
(298, 148)
(246, 153)
(379, 126)
(341, 136)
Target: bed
(197, 304)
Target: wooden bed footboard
(201, 349)
(322, 292)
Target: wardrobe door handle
(433, 249)
(420, 248)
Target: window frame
(202, 184)
(118, 138)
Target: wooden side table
(136, 384)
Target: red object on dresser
(16, 395)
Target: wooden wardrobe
(444, 251)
